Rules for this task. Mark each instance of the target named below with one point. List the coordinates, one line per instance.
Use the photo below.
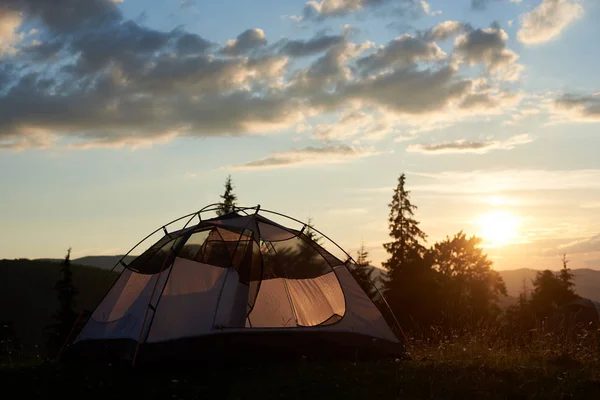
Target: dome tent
(235, 283)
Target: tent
(232, 284)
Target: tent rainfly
(235, 283)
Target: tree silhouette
(65, 317)
(228, 198)
(363, 271)
(566, 277)
(469, 287)
(410, 279)
(552, 290)
(404, 231)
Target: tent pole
(171, 259)
(168, 276)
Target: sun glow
(498, 228)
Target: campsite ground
(445, 370)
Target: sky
(119, 116)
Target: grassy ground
(452, 368)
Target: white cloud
(309, 155)
(426, 7)
(464, 146)
(246, 41)
(447, 29)
(548, 20)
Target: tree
(65, 316)
(469, 287)
(363, 271)
(552, 290)
(228, 198)
(566, 277)
(404, 230)
(410, 279)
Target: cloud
(98, 79)
(10, 21)
(548, 20)
(402, 51)
(464, 146)
(577, 108)
(90, 14)
(359, 124)
(319, 10)
(586, 245)
(33, 139)
(309, 155)
(509, 180)
(246, 41)
(446, 30)
(488, 47)
(303, 48)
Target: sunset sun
(498, 227)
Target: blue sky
(121, 116)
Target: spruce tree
(228, 198)
(65, 316)
(565, 275)
(406, 235)
(363, 271)
(410, 282)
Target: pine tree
(565, 275)
(363, 271)
(410, 280)
(228, 198)
(65, 316)
(404, 231)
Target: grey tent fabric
(235, 273)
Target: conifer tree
(65, 317)
(565, 275)
(363, 271)
(405, 247)
(228, 198)
(410, 280)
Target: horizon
(119, 117)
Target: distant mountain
(102, 262)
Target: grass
(468, 366)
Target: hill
(28, 299)
(102, 262)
